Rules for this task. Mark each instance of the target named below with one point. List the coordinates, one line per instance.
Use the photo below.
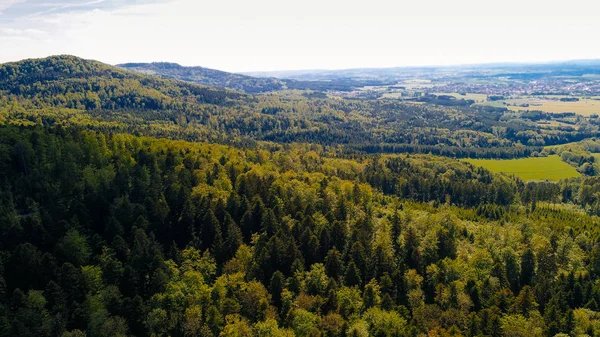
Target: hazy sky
(247, 35)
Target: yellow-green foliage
(544, 168)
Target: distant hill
(573, 68)
(207, 76)
(250, 84)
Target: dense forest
(133, 205)
(118, 235)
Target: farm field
(416, 84)
(583, 107)
(556, 147)
(543, 168)
(550, 125)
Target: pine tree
(352, 275)
(527, 267)
(334, 264)
(276, 285)
(210, 225)
(233, 237)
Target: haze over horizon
(266, 35)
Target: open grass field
(583, 107)
(555, 124)
(544, 168)
(556, 147)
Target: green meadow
(543, 168)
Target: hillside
(67, 91)
(207, 76)
(71, 82)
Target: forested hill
(207, 76)
(69, 91)
(72, 82)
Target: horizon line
(307, 70)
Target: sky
(268, 35)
